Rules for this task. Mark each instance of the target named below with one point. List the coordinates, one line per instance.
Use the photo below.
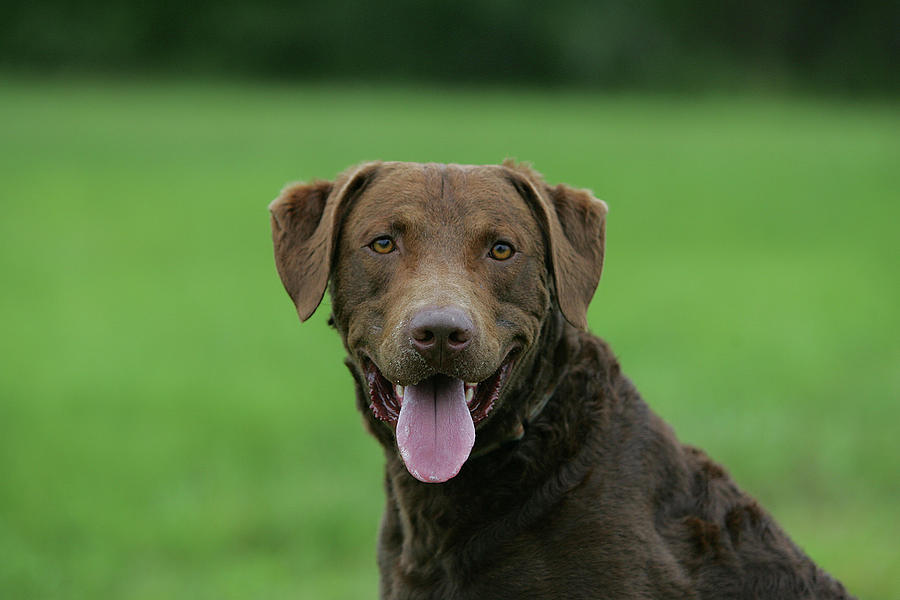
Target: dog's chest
(583, 557)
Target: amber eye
(501, 251)
(383, 245)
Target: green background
(168, 428)
(850, 46)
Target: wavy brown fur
(597, 500)
(575, 488)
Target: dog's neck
(516, 452)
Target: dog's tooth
(470, 393)
(398, 389)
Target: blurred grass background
(168, 429)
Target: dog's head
(442, 277)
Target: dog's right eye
(383, 245)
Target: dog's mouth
(434, 420)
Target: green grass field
(168, 429)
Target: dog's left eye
(383, 245)
(501, 251)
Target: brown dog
(521, 463)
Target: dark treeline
(828, 44)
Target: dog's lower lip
(386, 398)
(382, 400)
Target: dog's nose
(438, 332)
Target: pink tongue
(435, 432)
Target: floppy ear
(574, 223)
(305, 223)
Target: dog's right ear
(305, 223)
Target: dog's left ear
(305, 224)
(575, 226)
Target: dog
(520, 461)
